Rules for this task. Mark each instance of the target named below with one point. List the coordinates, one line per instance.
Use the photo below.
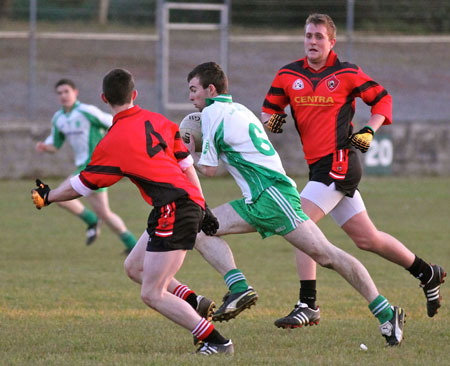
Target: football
(191, 125)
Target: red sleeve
(101, 171)
(374, 95)
(276, 99)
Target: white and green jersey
(234, 134)
(83, 127)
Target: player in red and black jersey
(321, 92)
(147, 148)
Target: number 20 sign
(379, 157)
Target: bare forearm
(376, 121)
(193, 177)
(64, 192)
(265, 117)
(43, 147)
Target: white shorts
(333, 202)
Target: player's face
(67, 96)
(317, 44)
(198, 95)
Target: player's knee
(150, 297)
(367, 242)
(325, 260)
(131, 270)
(199, 241)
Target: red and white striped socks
(203, 329)
(182, 291)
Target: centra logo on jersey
(332, 83)
(298, 84)
(314, 100)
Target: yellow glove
(362, 139)
(275, 122)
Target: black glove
(40, 195)
(209, 225)
(275, 122)
(362, 139)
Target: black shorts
(174, 226)
(346, 176)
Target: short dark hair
(210, 73)
(65, 82)
(324, 19)
(118, 86)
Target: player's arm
(42, 195)
(208, 171)
(265, 117)
(210, 224)
(43, 147)
(191, 174)
(376, 121)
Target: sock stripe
(235, 278)
(380, 307)
(203, 329)
(182, 291)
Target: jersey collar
(76, 104)
(331, 60)
(224, 98)
(126, 113)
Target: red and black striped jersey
(323, 102)
(145, 147)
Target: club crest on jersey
(332, 83)
(298, 84)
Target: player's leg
(100, 204)
(173, 229)
(89, 217)
(134, 263)
(134, 267)
(366, 236)
(159, 269)
(308, 238)
(218, 254)
(304, 234)
(317, 199)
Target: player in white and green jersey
(271, 203)
(83, 126)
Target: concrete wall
(419, 148)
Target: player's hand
(275, 122)
(40, 147)
(210, 224)
(190, 143)
(40, 194)
(362, 139)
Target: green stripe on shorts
(277, 211)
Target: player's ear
(134, 95)
(212, 90)
(333, 42)
(104, 98)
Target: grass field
(62, 303)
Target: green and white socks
(236, 281)
(381, 308)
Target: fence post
(32, 61)
(350, 26)
(103, 11)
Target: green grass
(62, 303)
